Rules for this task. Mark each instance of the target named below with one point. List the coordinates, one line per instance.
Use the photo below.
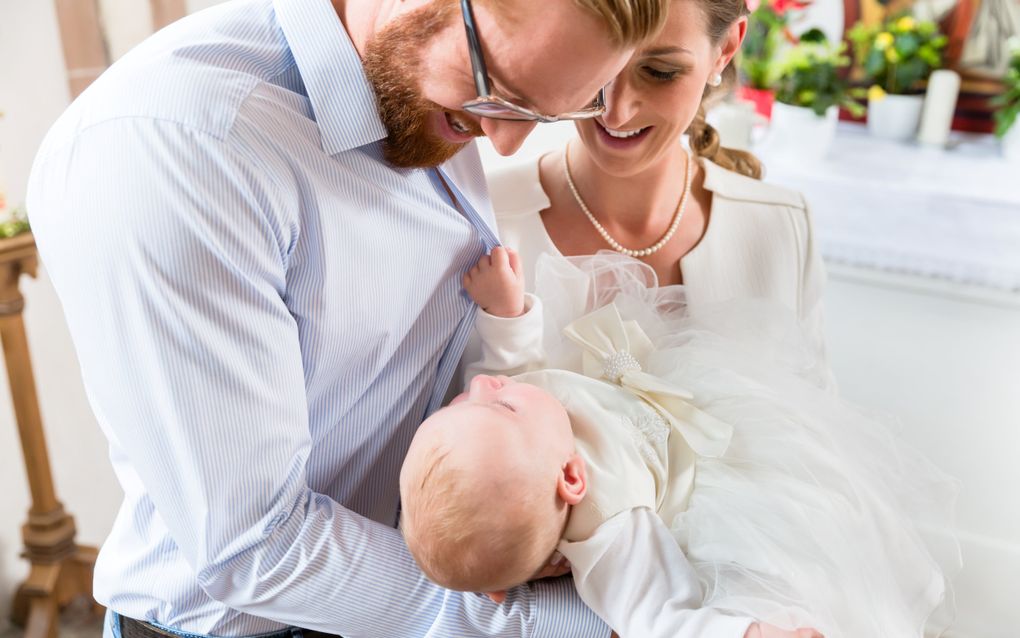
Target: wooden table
(61, 569)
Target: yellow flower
(906, 23)
(875, 93)
(883, 40)
(892, 55)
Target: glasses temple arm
(478, 69)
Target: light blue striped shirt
(264, 311)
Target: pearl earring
(715, 80)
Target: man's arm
(171, 266)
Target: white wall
(125, 24)
(198, 5)
(33, 92)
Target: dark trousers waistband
(131, 628)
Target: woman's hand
(557, 566)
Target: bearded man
(257, 222)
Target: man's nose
(622, 104)
(506, 135)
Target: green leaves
(765, 34)
(15, 224)
(1009, 102)
(810, 75)
(898, 55)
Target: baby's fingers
(515, 261)
(499, 258)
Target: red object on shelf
(762, 99)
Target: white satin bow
(614, 350)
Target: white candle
(939, 105)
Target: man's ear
(496, 596)
(573, 481)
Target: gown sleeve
(509, 345)
(633, 575)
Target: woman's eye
(665, 76)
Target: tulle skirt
(817, 514)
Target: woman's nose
(622, 104)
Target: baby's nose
(483, 383)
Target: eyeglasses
(497, 108)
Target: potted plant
(12, 221)
(767, 31)
(810, 90)
(1008, 105)
(896, 58)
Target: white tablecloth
(950, 214)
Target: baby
(497, 481)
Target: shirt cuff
(560, 612)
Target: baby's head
(487, 485)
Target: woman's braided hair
(704, 139)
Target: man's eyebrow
(511, 92)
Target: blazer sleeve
(811, 309)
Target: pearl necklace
(615, 245)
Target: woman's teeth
(623, 134)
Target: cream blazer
(759, 241)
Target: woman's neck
(642, 204)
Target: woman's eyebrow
(665, 51)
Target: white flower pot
(797, 133)
(895, 117)
(1011, 144)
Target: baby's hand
(496, 283)
(762, 630)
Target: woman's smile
(621, 139)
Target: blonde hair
(476, 535)
(704, 139)
(630, 22)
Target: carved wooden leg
(61, 570)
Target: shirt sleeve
(634, 575)
(509, 345)
(168, 249)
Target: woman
(734, 236)
(744, 253)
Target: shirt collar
(342, 98)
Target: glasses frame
(483, 85)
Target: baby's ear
(573, 482)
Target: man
(261, 274)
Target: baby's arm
(496, 283)
(509, 324)
(632, 573)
